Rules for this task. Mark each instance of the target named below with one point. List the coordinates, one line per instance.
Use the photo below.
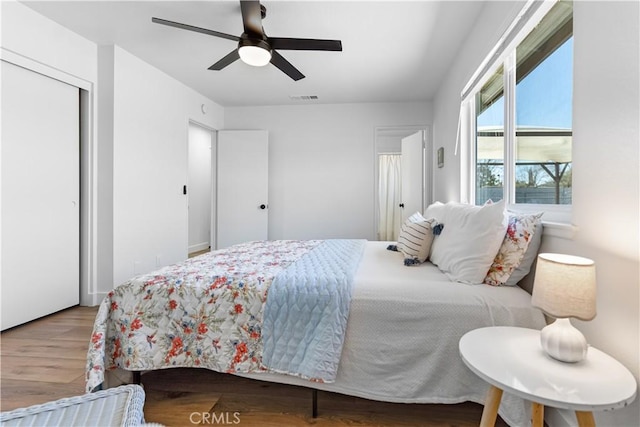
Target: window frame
(503, 54)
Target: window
(489, 177)
(520, 107)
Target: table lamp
(564, 287)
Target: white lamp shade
(254, 55)
(565, 286)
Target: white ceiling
(393, 51)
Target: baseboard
(198, 247)
(98, 297)
(554, 417)
(93, 300)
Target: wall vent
(303, 97)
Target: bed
(400, 334)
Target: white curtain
(389, 191)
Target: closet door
(243, 186)
(40, 195)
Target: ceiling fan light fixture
(256, 53)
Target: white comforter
(402, 336)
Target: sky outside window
(544, 97)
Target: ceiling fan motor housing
(256, 41)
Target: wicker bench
(120, 406)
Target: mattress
(401, 342)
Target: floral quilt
(204, 312)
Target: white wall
(606, 178)
(606, 162)
(104, 175)
(321, 164)
(36, 37)
(150, 132)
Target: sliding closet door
(40, 195)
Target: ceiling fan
(254, 46)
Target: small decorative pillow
(520, 231)
(416, 236)
(529, 258)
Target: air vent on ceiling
(303, 97)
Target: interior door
(40, 223)
(242, 186)
(412, 149)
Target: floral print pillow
(520, 230)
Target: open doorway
(390, 172)
(201, 202)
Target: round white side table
(511, 359)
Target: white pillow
(415, 238)
(435, 210)
(469, 241)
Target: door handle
(401, 205)
(263, 206)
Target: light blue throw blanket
(306, 312)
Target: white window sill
(559, 229)
(556, 219)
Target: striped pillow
(416, 236)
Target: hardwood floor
(44, 360)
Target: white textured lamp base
(563, 342)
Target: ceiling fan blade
(251, 17)
(284, 43)
(285, 66)
(229, 59)
(196, 29)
